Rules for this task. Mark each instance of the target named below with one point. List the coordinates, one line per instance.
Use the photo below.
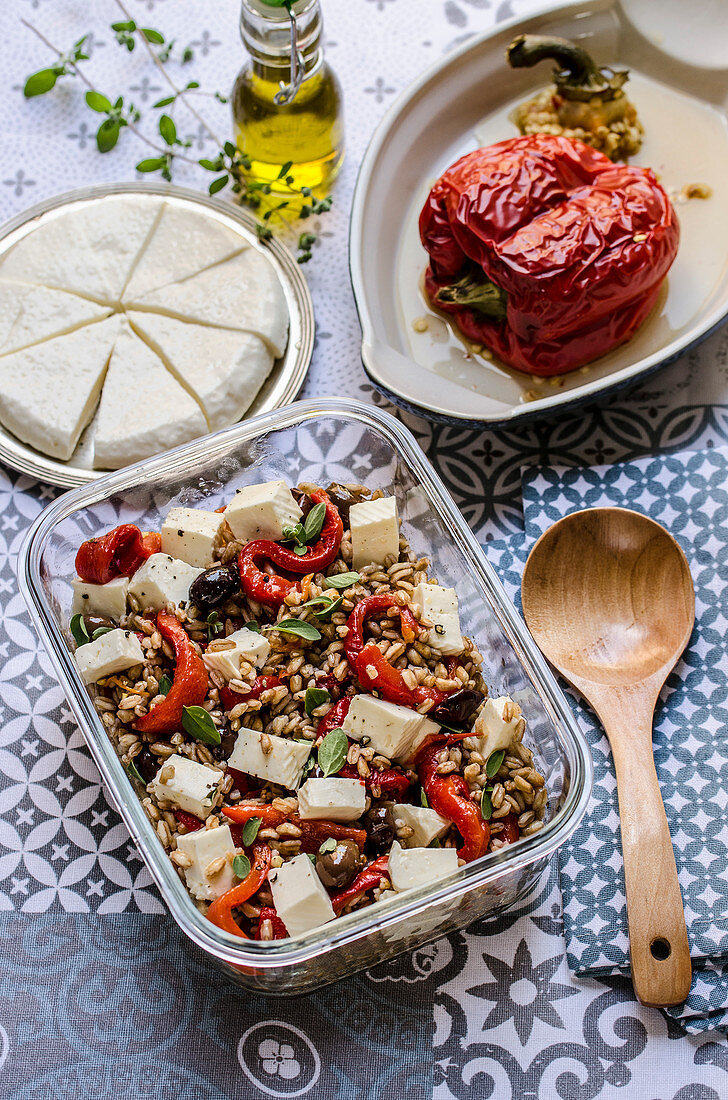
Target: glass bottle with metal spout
(286, 100)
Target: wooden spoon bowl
(608, 597)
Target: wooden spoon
(608, 597)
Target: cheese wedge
(143, 409)
(224, 369)
(243, 293)
(48, 392)
(29, 314)
(88, 251)
(183, 243)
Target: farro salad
(294, 701)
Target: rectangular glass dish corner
(322, 441)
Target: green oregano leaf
(198, 723)
(165, 685)
(241, 866)
(299, 628)
(250, 830)
(315, 697)
(252, 625)
(218, 184)
(332, 751)
(151, 164)
(98, 102)
(79, 631)
(40, 82)
(342, 580)
(133, 772)
(493, 763)
(100, 631)
(167, 129)
(314, 522)
(152, 36)
(423, 798)
(329, 609)
(328, 845)
(107, 135)
(486, 806)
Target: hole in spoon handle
(660, 949)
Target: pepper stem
(578, 76)
(480, 295)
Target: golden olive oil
(304, 126)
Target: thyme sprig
(231, 167)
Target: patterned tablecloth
(100, 996)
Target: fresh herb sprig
(232, 168)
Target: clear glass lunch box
(322, 441)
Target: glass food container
(321, 441)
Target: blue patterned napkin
(688, 494)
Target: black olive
(94, 622)
(339, 867)
(459, 707)
(303, 501)
(147, 764)
(379, 826)
(343, 499)
(214, 586)
(222, 751)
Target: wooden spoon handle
(658, 939)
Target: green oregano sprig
(231, 166)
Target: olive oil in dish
(286, 101)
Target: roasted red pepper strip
(221, 910)
(375, 673)
(265, 588)
(333, 718)
(367, 879)
(319, 556)
(391, 782)
(280, 932)
(191, 823)
(313, 833)
(450, 796)
(272, 590)
(510, 832)
(230, 698)
(373, 670)
(545, 251)
(368, 608)
(189, 686)
(118, 553)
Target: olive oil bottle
(286, 101)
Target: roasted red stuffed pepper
(546, 252)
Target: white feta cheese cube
(374, 531)
(333, 799)
(299, 896)
(262, 511)
(492, 729)
(189, 534)
(162, 580)
(224, 658)
(394, 731)
(112, 652)
(100, 599)
(283, 764)
(188, 785)
(204, 847)
(439, 606)
(411, 867)
(428, 825)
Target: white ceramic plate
(284, 381)
(462, 103)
